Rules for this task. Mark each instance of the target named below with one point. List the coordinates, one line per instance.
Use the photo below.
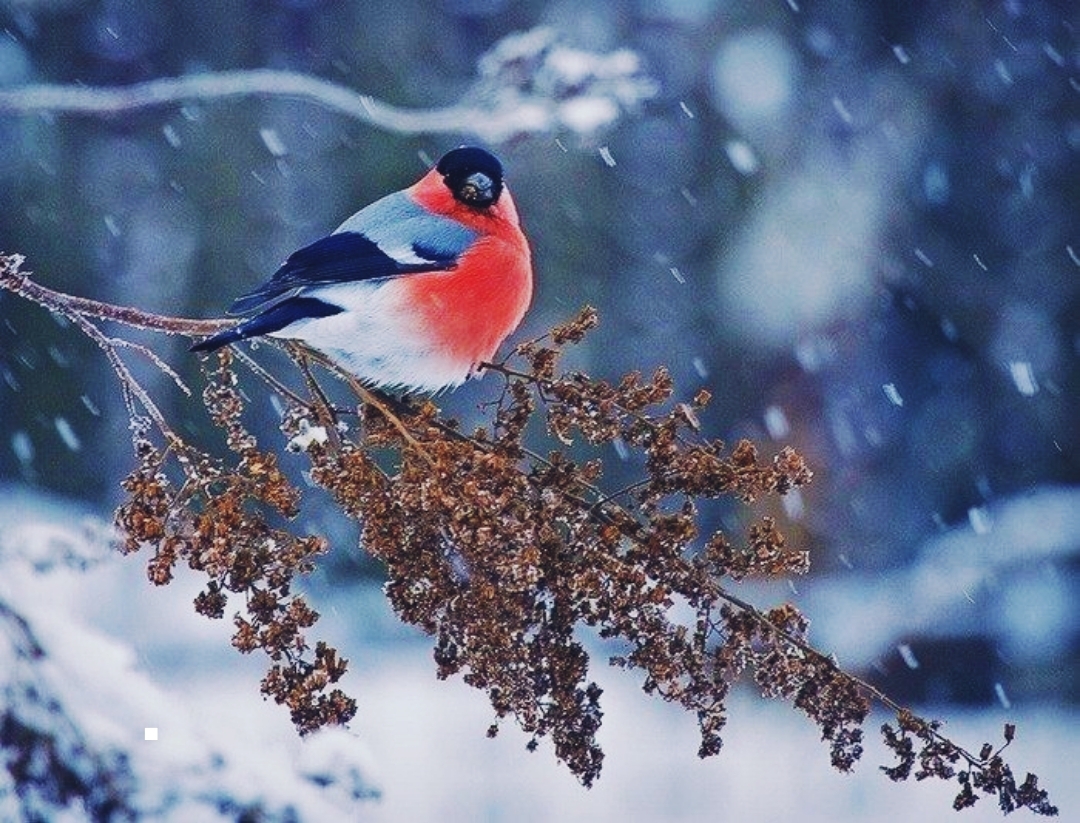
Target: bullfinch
(412, 292)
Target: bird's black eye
(474, 176)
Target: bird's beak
(478, 189)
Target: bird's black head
(474, 176)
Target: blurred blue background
(855, 223)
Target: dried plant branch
(504, 555)
(267, 378)
(13, 279)
(303, 354)
(154, 358)
(76, 310)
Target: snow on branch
(528, 83)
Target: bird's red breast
(474, 306)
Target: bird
(413, 292)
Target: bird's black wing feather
(274, 319)
(338, 258)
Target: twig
(266, 377)
(77, 310)
(19, 282)
(877, 694)
(323, 409)
(300, 351)
(127, 379)
(545, 389)
(153, 357)
(637, 484)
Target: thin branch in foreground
(14, 279)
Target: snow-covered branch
(528, 83)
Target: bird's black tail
(272, 320)
(222, 338)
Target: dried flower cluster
(938, 757)
(506, 556)
(214, 519)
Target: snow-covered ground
(91, 657)
(120, 656)
(434, 763)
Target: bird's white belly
(378, 339)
